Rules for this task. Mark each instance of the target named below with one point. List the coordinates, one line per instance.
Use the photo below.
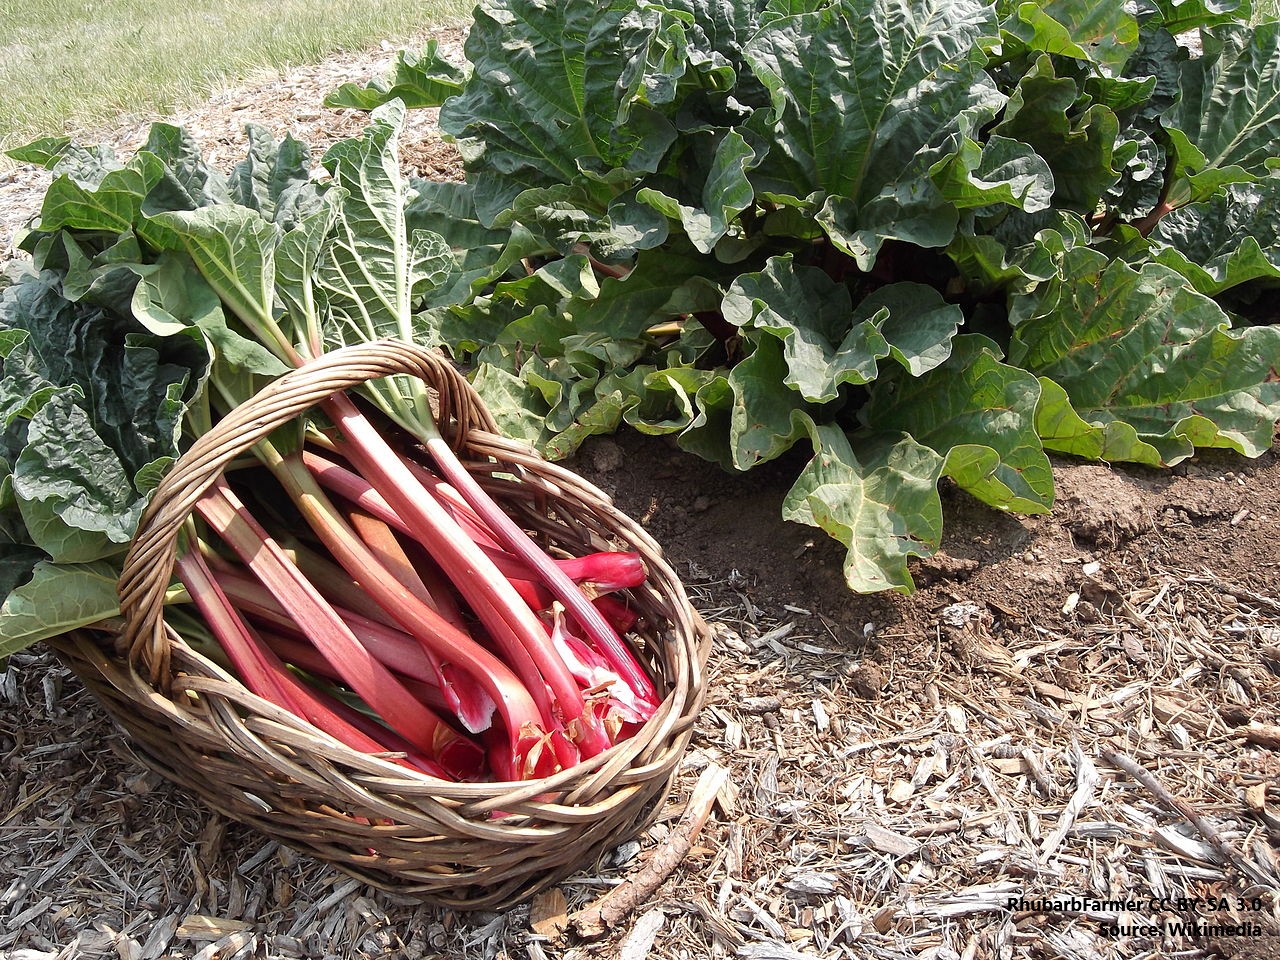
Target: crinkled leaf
(74, 494)
(57, 598)
(880, 501)
(557, 87)
(919, 325)
(109, 204)
(374, 271)
(297, 258)
(1229, 239)
(275, 178)
(1021, 259)
(1078, 146)
(998, 171)
(1101, 33)
(767, 417)
(173, 298)
(1179, 16)
(664, 284)
(726, 193)
(707, 435)
(858, 90)
(105, 278)
(187, 182)
(1227, 118)
(43, 151)
(424, 80)
(234, 249)
(1143, 347)
(1064, 430)
(518, 408)
(979, 414)
(825, 344)
(131, 383)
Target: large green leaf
(979, 414)
(1227, 118)
(1101, 33)
(74, 494)
(108, 203)
(234, 249)
(825, 344)
(374, 271)
(1064, 430)
(998, 171)
(559, 87)
(186, 182)
(57, 598)
(1143, 347)
(859, 90)
(767, 417)
(1229, 239)
(665, 283)
(880, 501)
(275, 178)
(1179, 16)
(426, 80)
(726, 193)
(1078, 146)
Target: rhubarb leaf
(558, 88)
(1227, 116)
(374, 271)
(880, 500)
(1143, 347)
(767, 417)
(424, 80)
(825, 344)
(57, 598)
(1101, 33)
(979, 414)
(1229, 239)
(858, 91)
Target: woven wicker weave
(464, 845)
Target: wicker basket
(254, 762)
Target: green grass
(67, 64)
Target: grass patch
(66, 64)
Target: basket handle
(148, 566)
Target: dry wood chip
(1087, 778)
(759, 705)
(982, 898)
(901, 791)
(747, 911)
(886, 841)
(198, 926)
(549, 913)
(1185, 846)
(812, 883)
(161, 935)
(772, 950)
(820, 718)
(882, 920)
(1264, 735)
(1256, 797)
(639, 940)
(229, 947)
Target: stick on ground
(1184, 809)
(614, 907)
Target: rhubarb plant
(932, 241)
